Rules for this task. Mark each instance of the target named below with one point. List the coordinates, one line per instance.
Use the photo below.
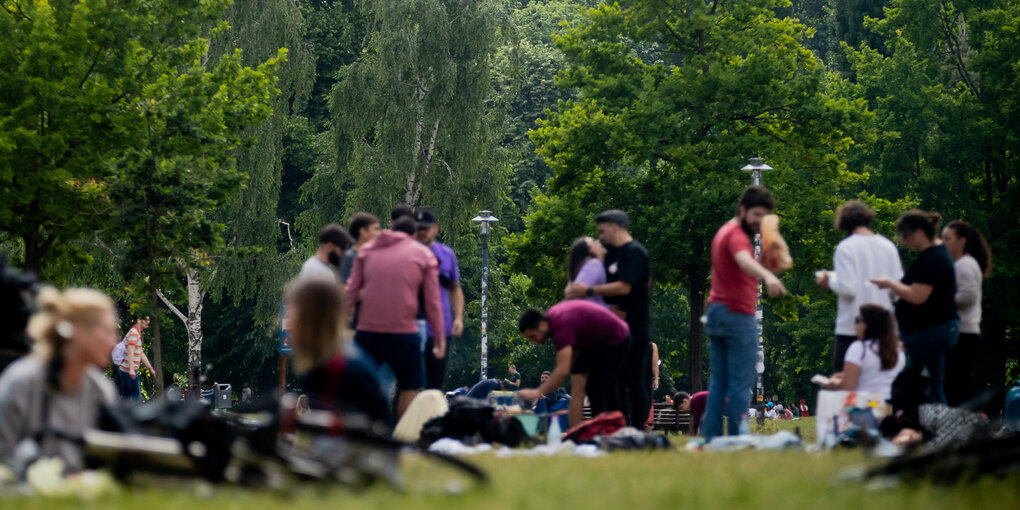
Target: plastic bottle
(1011, 414)
(553, 436)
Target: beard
(334, 259)
(746, 227)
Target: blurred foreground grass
(624, 481)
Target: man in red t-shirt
(730, 316)
(591, 344)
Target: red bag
(605, 424)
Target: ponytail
(58, 315)
(975, 245)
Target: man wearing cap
(450, 295)
(626, 291)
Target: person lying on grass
(591, 344)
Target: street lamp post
(484, 218)
(756, 166)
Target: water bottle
(1011, 416)
(553, 436)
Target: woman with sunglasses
(875, 359)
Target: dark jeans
(960, 369)
(733, 353)
(601, 367)
(129, 388)
(635, 381)
(839, 352)
(435, 369)
(927, 349)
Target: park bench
(664, 417)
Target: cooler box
(504, 399)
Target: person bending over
(591, 343)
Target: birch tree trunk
(193, 324)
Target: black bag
(468, 417)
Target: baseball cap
(424, 217)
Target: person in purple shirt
(585, 265)
(591, 344)
(450, 294)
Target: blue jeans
(928, 349)
(733, 353)
(130, 388)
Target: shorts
(401, 351)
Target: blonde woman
(51, 396)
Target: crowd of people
(398, 290)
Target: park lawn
(622, 480)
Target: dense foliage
(147, 157)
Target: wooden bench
(664, 417)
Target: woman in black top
(332, 381)
(926, 309)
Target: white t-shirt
(315, 268)
(968, 294)
(864, 353)
(858, 258)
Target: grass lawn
(624, 481)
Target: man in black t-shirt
(513, 381)
(627, 292)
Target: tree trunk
(157, 348)
(697, 300)
(194, 325)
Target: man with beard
(730, 316)
(627, 292)
(333, 242)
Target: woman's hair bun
(49, 300)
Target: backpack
(119, 351)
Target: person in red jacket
(386, 278)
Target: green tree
(944, 96)
(180, 167)
(671, 99)
(409, 116)
(68, 70)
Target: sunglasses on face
(858, 320)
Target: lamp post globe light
(484, 218)
(756, 166)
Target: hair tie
(65, 329)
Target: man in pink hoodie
(389, 275)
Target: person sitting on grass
(329, 380)
(875, 359)
(49, 398)
(591, 344)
